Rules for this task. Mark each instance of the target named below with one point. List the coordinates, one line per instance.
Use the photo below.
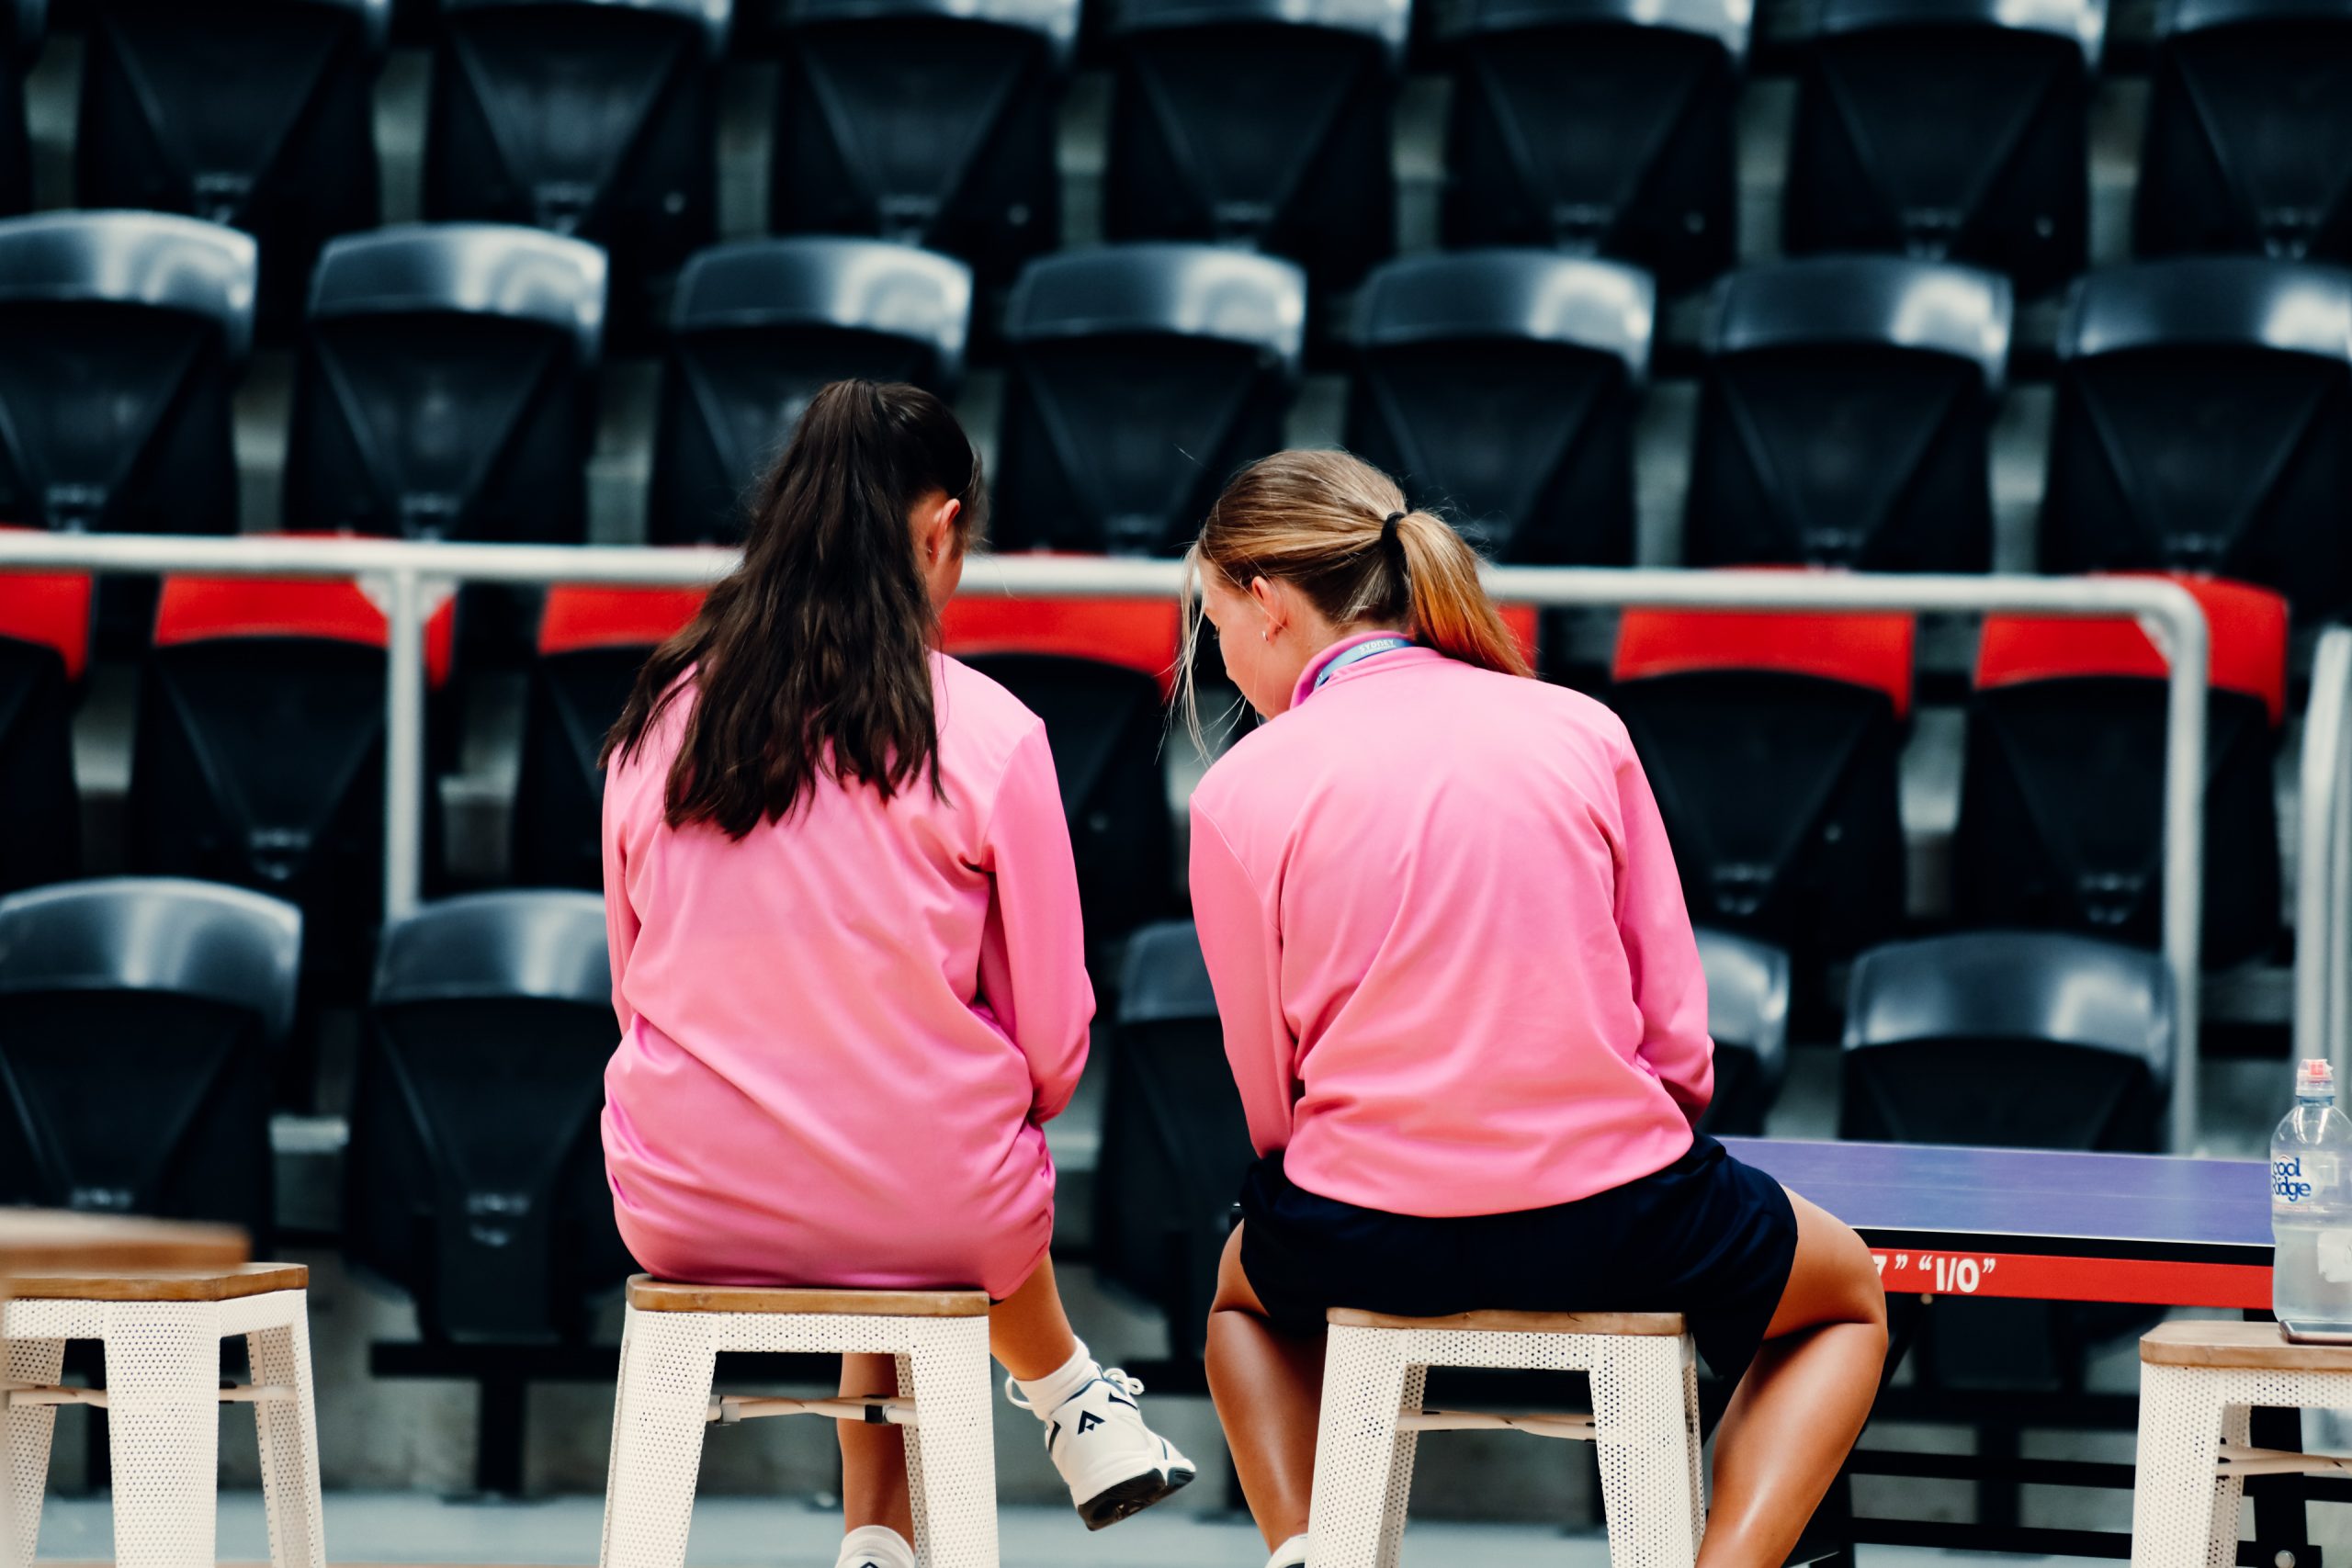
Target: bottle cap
(2314, 1076)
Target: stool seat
(1661, 1324)
(648, 1294)
(2259, 1347)
(231, 1284)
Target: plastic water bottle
(2310, 1211)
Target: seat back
(757, 330)
(1748, 1016)
(476, 1177)
(445, 386)
(1174, 1145)
(1142, 376)
(125, 332)
(1597, 127)
(1502, 387)
(2204, 424)
(929, 122)
(22, 23)
(2061, 792)
(289, 156)
(257, 756)
(44, 648)
(1266, 122)
(1772, 743)
(2249, 132)
(1845, 416)
(597, 118)
(1951, 129)
(145, 1019)
(592, 642)
(2009, 1039)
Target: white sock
(1047, 1394)
(1291, 1553)
(879, 1544)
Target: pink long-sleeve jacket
(1448, 941)
(842, 1036)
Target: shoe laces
(1118, 1377)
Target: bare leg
(1269, 1390)
(874, 1459)
(1028, 1331)
(1802, 1403)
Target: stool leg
(2177, 1494)
(42, 1362)
(289, 1443)
(2229, 1490)
(1643, 1449)
(164, 1423)
(658, 1421)
(1400, 1469)
(951, 1449)
(1697, 1446)
(1348, 1518)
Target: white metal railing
(2324, 858)
(412, 578)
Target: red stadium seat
(204, 609)
(2062, 794)
(1772, 742)
(44, 649)
(586, 615)
(1135, 634)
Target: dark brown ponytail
(814, 655)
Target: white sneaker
(1291, 1553)
(875, 1546)
(1113, 1464)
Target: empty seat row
(1945, 129)
(446, 391)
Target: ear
(1271, 601)
(935, 534)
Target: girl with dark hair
(846, 946)
(1464, 1009)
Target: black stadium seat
(2062, 796)
(1599, 127)
(476, 1182)
(1266, 122)
(257, 759)
(145, 1017)
(932, 122)
(1845, 416)
(2249, 131)
(756, 330)
(1747, 1015)
(1502, 387)
(1098, 673)
(1174, 1145)
(1941, 1033)
(2204, 423)
(446, 387)
(124, 333)
(1142, 376)
(592, 641)
(1949, 130)
(21, 23)
(287, 154)
(44, 651)
(595, 118)
(1772, 743)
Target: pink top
(841, 1037)
(1448, 941)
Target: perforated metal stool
(669, 1343)
(2199, 1385)
(162, 1400)
(1645, 1423)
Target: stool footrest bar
(1571, 1429)
(20, 1394)
(2237, 1460)
(729, 1409)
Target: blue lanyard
(1361, 651)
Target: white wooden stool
(673, 1332)
(2198, 1384)
(1644, 1425)
(162, 1400)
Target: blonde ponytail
(1319, 521)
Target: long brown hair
(813, 657)
(1319, 520)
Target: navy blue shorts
(1707, 1237)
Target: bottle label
(2288, 1182)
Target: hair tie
(1388, 530)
